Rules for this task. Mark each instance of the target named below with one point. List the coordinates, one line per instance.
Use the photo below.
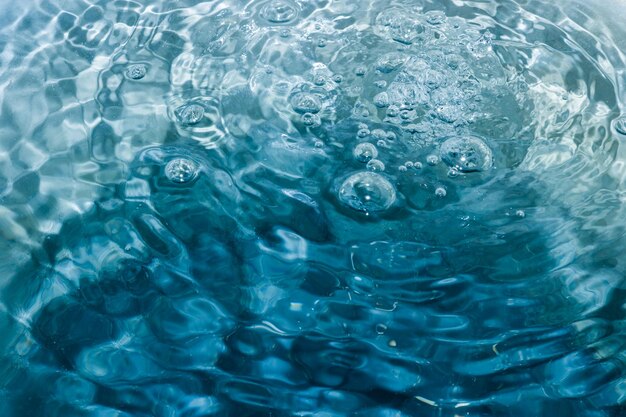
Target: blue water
(312, 208)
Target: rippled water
(312, 208)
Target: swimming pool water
(312, 208)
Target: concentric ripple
(312, 208)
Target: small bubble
(432, 160)
(381, 144)
(278, 11)
(391, 136)
(360, 71)
(189, 114)
(381, 328)
(321, 43)
(520, 213)
(440, 192)
(367, 192)
(380, 83)
(284, 33)
(319, 80)
(405, 114)
(311, 120)
(181, 170)
(136, 71)
(364, 152)
(363, 133)
(408, 164)
(620, 125)
(337, 78)
(417, 165)
(375, 165)
(402, 168)
(466, 154)
(305, 103)
(379, 134)
(318, 144)
(392, 111)
(453, 173)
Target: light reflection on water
(295, 208)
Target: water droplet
(189, 114)
(306, 103)
(279, 11)
(432, 160)
(620, 125)
(181, 170)
(375, 165)
(466, 154)
(311, 120)
(367, 192)
(440, 192)
(136, 71)
(364, 152)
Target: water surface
(312, 208)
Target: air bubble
(337, 78)
(189, 114)
(402, 168)
(620, 125)
(363, 133)
(432, 160)
(181, 170)
(311, 120)
(375, 165)
(453, 173)
(435, 17)
(520, 213)
(136, 71)
(367, 192)
(360, 71)
(305, 103)
(364, 152)
(381, 100)
(390, 62)
(440, 192)
(466, 154)
(279, 12)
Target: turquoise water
(312, 208)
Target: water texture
(312, 208)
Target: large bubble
(367, 192)
(466, 154)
